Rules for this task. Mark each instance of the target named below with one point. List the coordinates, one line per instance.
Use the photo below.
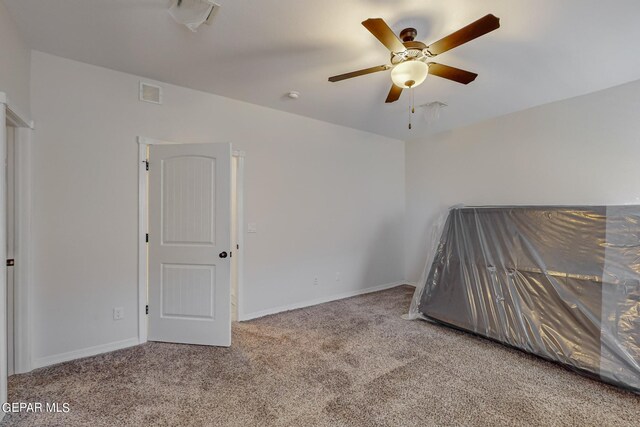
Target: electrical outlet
(338, 278)
(316, 282)
(118, 313)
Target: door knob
(223, 254)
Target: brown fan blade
(451, 73)
(384, 34)
(394, 94)
(474, 30)
(359, 73)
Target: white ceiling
(256, 51)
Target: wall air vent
(150, 93)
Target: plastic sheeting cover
(559, 282)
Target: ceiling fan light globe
(409, 74)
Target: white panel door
(190, 244)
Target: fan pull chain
(412, 108)
(413, 102)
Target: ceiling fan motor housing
(408, 34)
(416, 51)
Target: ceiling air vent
(193, 13)
(150, 93)
(432, 110)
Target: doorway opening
(15, 233)
(163, 283)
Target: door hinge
(146, 164)
(146, 309)
(147, 238)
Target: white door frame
(22, 272)
(239, 238)
(143, 227)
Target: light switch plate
(252, 227)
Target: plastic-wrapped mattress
(559, 282)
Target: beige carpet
(353, 362)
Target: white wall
(583, 150)
(14, 62)
(326, 199)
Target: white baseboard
(321, 300)
(41, 362)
